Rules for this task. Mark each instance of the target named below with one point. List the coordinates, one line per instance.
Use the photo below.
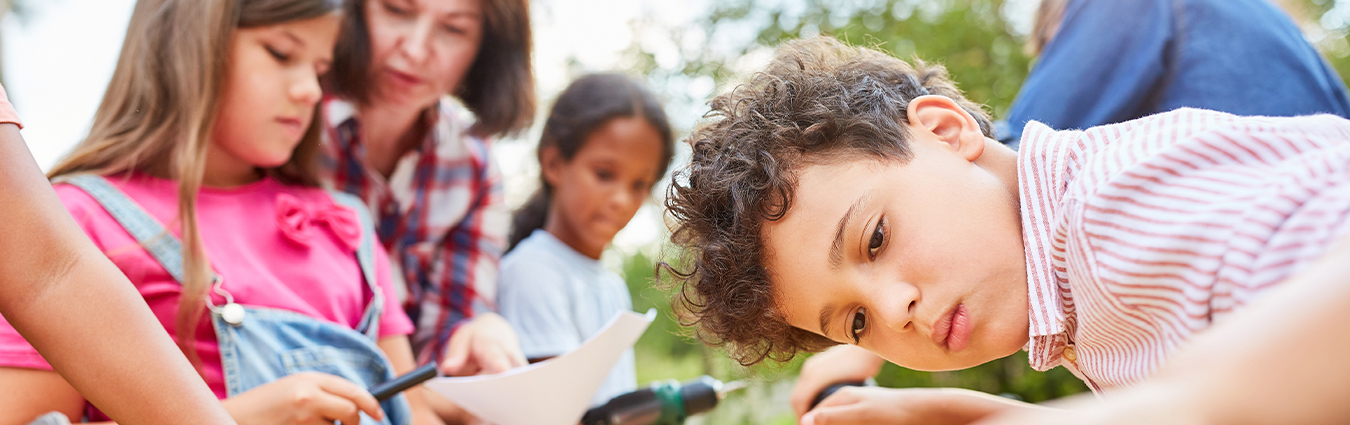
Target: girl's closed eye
(453, 29)
(859, 326)
(277, 54)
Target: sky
(59, 55)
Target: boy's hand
(301, 399)
(485, 345)
(871, 405)
(843, 363)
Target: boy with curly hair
(842, 196)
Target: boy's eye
(280, 57)
(859, 324)
(604, 175)
(878, 239)
(452, 29)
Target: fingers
(457, 352)
(804, 392)
(839, 408)
(835, 415)
(839, 364)
(494, 361)
(845, 396)
(348, 400)
(485, 345)
(515, 355)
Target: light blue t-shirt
(555, 298)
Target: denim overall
(260, 345)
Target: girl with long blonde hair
(198, 181)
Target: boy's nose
(896, 306)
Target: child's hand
(843, 363)
(303, 398)
(483, 346)
(871, 405)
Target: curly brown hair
(818, 100)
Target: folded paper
(552, 392)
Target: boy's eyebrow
(837, 248)
(825, 314)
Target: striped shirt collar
(1045, 166)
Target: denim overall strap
(365, 257)
(270, 343)
(161, 245)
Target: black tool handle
(394, 386)
(832, 388)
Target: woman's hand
(844, 363)
(485, 345)
(303, 398)
(927, 406)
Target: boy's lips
(952, 330)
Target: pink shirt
(260, 266)
(1140, 235)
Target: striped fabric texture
(1142, 234)
(441, 215)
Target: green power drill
(663, 403)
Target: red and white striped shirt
(1140, 235)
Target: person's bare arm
(30, 393)
(1282, 360)
(81, 313)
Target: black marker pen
(397, 385)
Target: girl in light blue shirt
(606, 143)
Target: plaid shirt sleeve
(465, 267)
(442, 216)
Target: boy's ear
(941, 118)
(551, 164)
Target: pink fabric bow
(297, 220)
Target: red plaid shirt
(441, 216)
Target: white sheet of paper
(552, 392)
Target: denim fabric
(53, 418)
(271, 343)
(1118, 60)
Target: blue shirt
(556, 298)
(1118, 60)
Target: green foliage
(1329, 31)
(971, 38)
